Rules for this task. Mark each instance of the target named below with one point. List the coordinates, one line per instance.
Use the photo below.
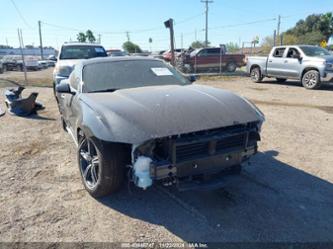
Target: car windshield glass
(314, 51)
(102, 76)
(82, 52)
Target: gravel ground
(284, 194)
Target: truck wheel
(256, 75)
(231, 67)
(280, 80)
(101, 173)
(311, 79)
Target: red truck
(211, 60)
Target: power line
(242, 24)
(20, 14)
(137, 31)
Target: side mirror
(297, 56)
(64, 87)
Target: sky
(229, 21)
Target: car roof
(112, 59)
(81, 44)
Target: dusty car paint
(137, 115)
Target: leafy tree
(199, 44)
(289, 39)
(232, 47)
(313, 29)
(81, 37)
(131, 47)
(90, 36)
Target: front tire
(311, 80)
(101, 173)
(256, 75)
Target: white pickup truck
(310, 64)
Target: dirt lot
(284, 194)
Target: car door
(72, 100)
(292, 62)
(208, 59)
(275, 63)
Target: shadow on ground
(270, 201)
(328, 86)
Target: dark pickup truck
(211, 60)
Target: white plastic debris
(141, 169)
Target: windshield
(110, 75)
(81, 52)
(314, 51)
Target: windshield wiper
(105, 90)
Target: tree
(313, 29)
(198, 44)
(131, 47)
(90, 36)
(267, 44)
(232, 47)
(81, 37)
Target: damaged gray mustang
(138, 119)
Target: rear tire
(231, 67)
(311, 80)
(256, 75)
(107, 170)
(280, 80)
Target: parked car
(139, 117)
(11, 63)
(117, 53)
(309, 64)
(158, 54)
(212, 60)
(43, 64)
(70, 54)
(167, 54)
(1, 67)
(51, 63)
(14, 62)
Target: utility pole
(274, 38)
(128, 36)
(40, 39)
(206, 11)
(169, 24)
(181, 41)
(278, 27)
(99, 38)
(19, 32)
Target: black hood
(139, 114)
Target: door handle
(270, 61)
(286, 61)
(62, 96)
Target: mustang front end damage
(198, 157)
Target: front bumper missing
(200, 166)
(199, 160)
